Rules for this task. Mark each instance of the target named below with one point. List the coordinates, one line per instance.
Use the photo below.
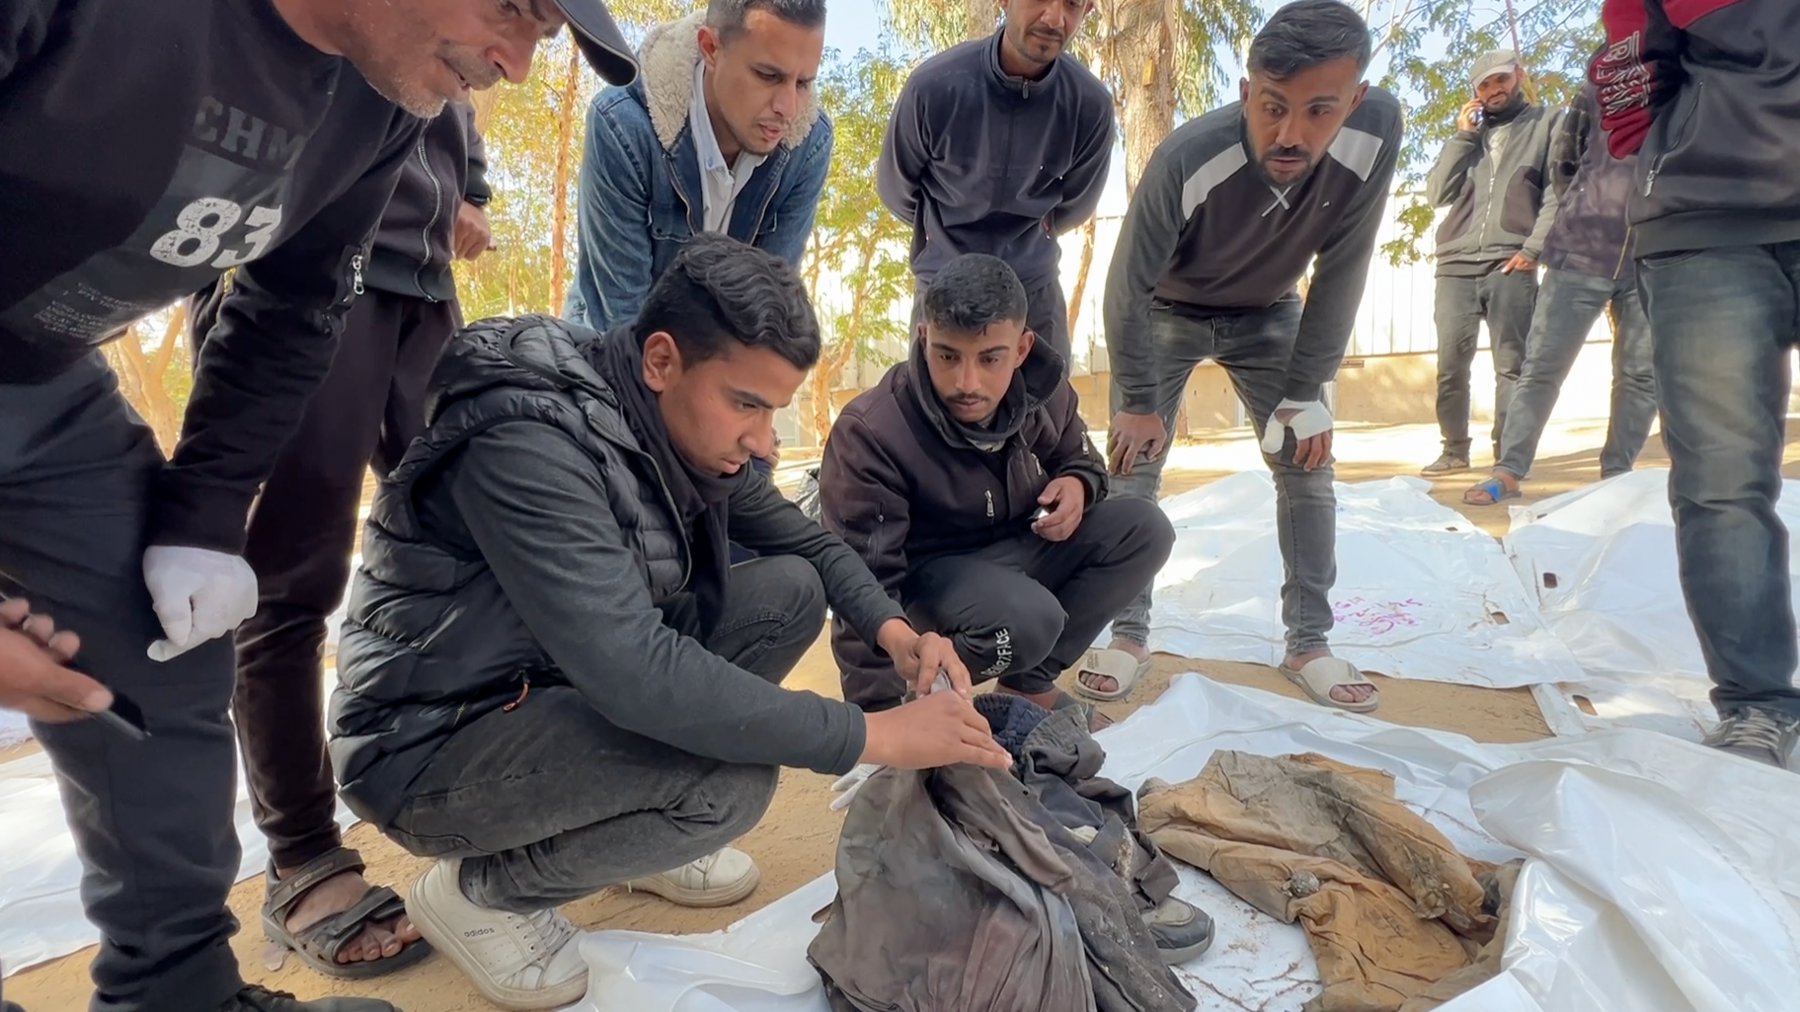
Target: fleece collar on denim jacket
(667, 60)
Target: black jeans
(1023, 609)
(1506, 302)
(369, 409)
(550, 802)
(152, 819)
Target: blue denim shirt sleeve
(614, 262)
(798, 205)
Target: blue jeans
(1567, 306)
(1722, 322)
(1255, 348)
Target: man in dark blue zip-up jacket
(363, 416)
(1587, 267)
(999, 146)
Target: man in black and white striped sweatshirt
(1231, 211)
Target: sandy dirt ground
(795, 841)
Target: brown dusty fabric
(1396, 918)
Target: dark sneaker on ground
(1447, 463)
(1764, 736)
(1182, 931)
(261, 999)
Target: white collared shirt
(720, 183)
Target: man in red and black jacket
(1707, 93)
(966, 481)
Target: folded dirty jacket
(966, 890)
(1398, 920)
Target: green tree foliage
(856, 266)
(1430, 45)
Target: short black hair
(726, 17)
(972, 292)
(719, 289)
(1307, 33)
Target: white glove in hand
(1312, 420)
(199, 594)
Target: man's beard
(1262, 166)
(1515, 101)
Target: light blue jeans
(1722, 322)
(1568, 304)
(1255, 348)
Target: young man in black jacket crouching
(552, 679)
(967, 482)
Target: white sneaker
(520, 962)
(717, 880)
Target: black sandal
(319, 943)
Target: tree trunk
(1147, 36)
(983, 16)
(143, 376)
(1081, 277)
(565, 142)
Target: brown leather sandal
(319, 943)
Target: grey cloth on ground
(1057, 758)
(959, 892)
(1255, 348)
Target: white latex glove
(1312, 420)
(847, 785)
(199, 595)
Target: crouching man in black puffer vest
(552, 679)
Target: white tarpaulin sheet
(1602, 562)
(13, 728)
(1662, 875)
(1421, 592)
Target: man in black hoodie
(145, 149)
(966, 480)
(1000, 145)
(369, 408)
(1709, 91)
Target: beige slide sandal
(1124, 669)
(1320, 675)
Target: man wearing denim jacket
(722, 132)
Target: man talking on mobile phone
(1493, 175)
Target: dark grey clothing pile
(969, 890)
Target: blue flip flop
(1495, 489)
